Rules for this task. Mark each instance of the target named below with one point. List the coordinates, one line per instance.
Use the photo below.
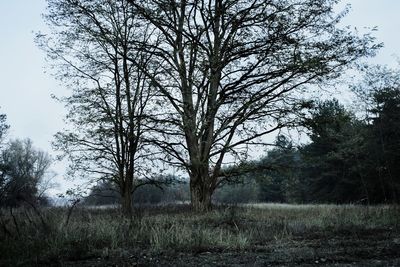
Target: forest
(208, 133)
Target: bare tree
(91, 46)
(233, 71)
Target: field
(249, 235)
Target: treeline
(349, 158)
(105, 193)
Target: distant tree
(22, 170)
(275, 177)
(246, 191)
(235, 71)
(178, 192)
(281, 182)
(91, 45)
(149, 194)
(105, 193)
(3, 127)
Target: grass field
(248, 235)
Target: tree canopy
(92, 45)
(235, 71)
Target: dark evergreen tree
(385, 141)
(380, 91)
(331, 162)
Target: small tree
(109, 105)
(22, 169)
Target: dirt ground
(376, 248)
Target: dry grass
(29, 238)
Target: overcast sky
(25, 89)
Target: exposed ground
(256, 235)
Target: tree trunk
(200, 194)
(126, 200)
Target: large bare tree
(90, 45)
(233, 71)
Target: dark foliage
(106, 194)
(348, 160)
(22, 171)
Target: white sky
(25, 88)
